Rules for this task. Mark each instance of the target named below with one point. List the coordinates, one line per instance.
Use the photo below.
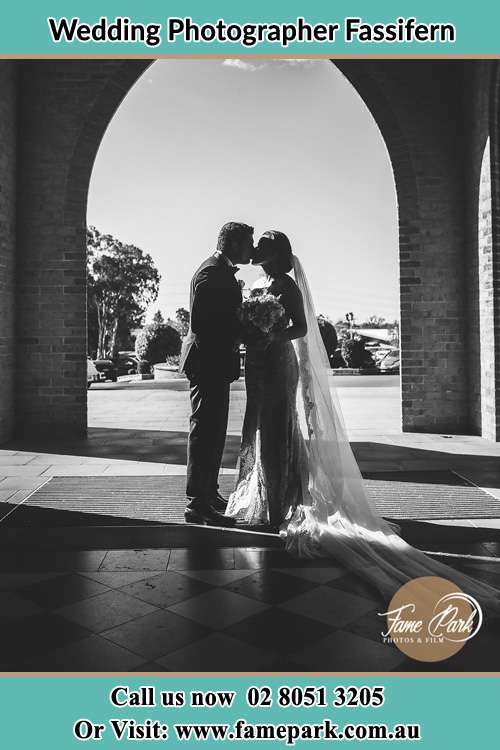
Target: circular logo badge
(430, 619)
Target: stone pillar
(488, 425)
(7, 244)
(64, 109)
(495, 254)
(418, 107)
(51, 280)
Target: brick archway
(426, 112)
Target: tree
(156, 342)
(395, 333)
(122, 282)
(342, 329)
(375, 321)
(131, 316)
(182, 318)
(158, 317)
(355, 354)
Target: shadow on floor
(163, 446)
(31, 525)
(76, 529)
(154, 446)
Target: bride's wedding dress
(297, 469)
(272, 453)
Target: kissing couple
(297, 473)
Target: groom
(211, 361)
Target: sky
(277, 144)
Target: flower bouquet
(263, 312)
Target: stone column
(7, 243)
(418, 107)
(64, 109)
(495, 253)
(51, 280)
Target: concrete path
(140, 428)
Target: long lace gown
(272, 447)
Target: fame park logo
(430, 619)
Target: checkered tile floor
(200, 610)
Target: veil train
(336, 518)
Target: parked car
(107, 368)
(390, 363)
(380, 352)
(93, 374)
(126, 363)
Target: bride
(297, 472)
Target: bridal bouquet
(262, 311)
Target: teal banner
(289, 711)
(178, 28)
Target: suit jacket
(210, 350)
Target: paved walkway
(140, 428)
(202, 610)
(147, 607)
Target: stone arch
(64, 109)
(365, 85)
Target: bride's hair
(274, 250)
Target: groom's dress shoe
(218, 503)
(208, 517)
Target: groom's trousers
(207, 436)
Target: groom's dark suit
(210, 359)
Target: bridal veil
(336, 518)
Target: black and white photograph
(249, 365)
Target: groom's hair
(233, 230)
